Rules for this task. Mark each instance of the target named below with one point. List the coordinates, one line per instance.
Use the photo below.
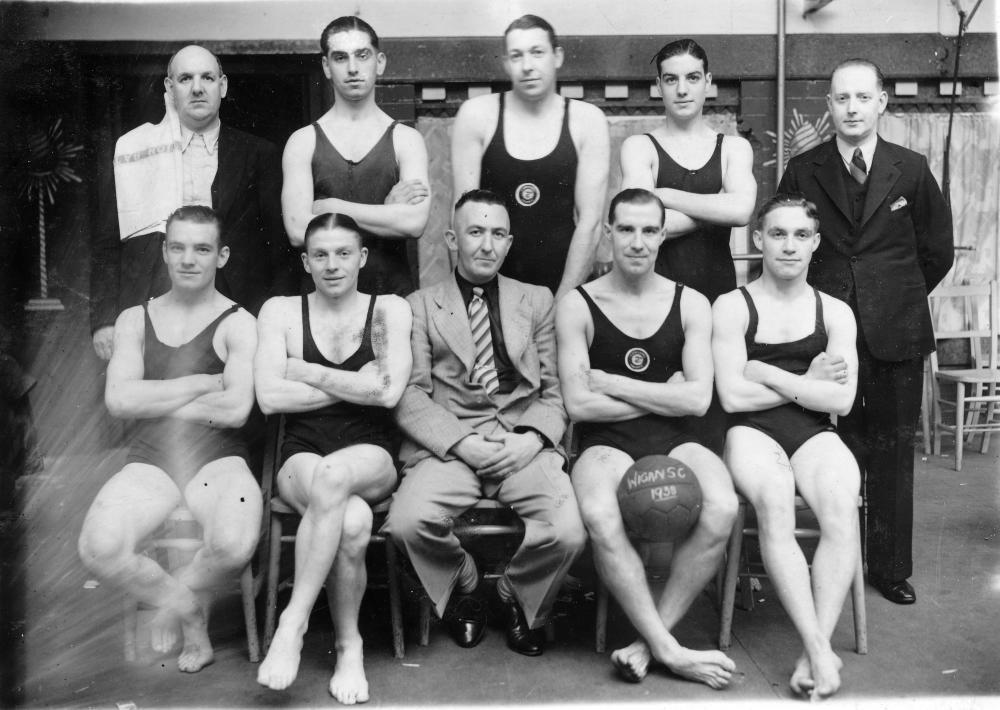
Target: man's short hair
(635, 196)
(196, 214)
(861, 62)
(532, 22)
(332, 220)
(786, 199)
(170, 62)
(346, 24)
(678, 48)
(480, 196)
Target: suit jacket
(440, 405)
(246, 193)
(901, 251)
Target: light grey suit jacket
(441, 406)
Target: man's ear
(451, 239)
(223, 257)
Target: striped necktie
(859, 171)
(484, 370)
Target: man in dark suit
(189, 158)
(886, 243)
(484, 415)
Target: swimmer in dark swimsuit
(636, 371)
(182, 366)
(785, 360)
(335, 362)
(355, 160)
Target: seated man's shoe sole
(897, 592)
(520, 637)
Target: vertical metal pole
(780, 131)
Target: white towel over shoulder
(148, 175)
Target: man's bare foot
(713, 668)
(802, 680)
(164, 631)
(197, 652)
(279, 668)
(349, 684)
(632, 662)
(825, 667)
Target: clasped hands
(497, 456)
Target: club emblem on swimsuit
(527, 194)
(637, 360)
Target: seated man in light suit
(484, 415)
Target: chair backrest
(973, 300)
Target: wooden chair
(176, 541)
(735, 557)
(281, 515)
(976, 405)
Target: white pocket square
(898, 204)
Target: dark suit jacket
(246, 193)
(903, 248)
(440, 406)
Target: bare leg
(346, 587)
(595, 479)
(827, 477)
(320, 490)
(764, 475)
(128, 509)
(224, 497)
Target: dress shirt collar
(491, 288)
(867, 150)
(211, 136)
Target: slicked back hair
(531, 22)
(786, 199)
(861, 62)
(678, 48)
(635, 196)
(480, 196)
(197, 214)
(346, 23)
(332, 220)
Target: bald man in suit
(886, 243)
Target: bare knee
(356, 531)
(603, 520)
(718, 513)
(230, 547)
(837, 515)
(103, 549)
(331, 483)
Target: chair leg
(395, 598)
(858, 605)
(250, 613)
(733, 553)
(425, 621)
(130, 621)
(273, 570)
(959, 424)
(601, 621)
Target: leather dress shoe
(897, 592)
(520, 637)
(465, 618)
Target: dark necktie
(859, 171)
(484, 370)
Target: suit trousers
(434, 492)
(880, 431)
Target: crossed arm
(594, 395)
(732, 207)
(290, 384)
(404, 212)
(222, 400)
(752, 386)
